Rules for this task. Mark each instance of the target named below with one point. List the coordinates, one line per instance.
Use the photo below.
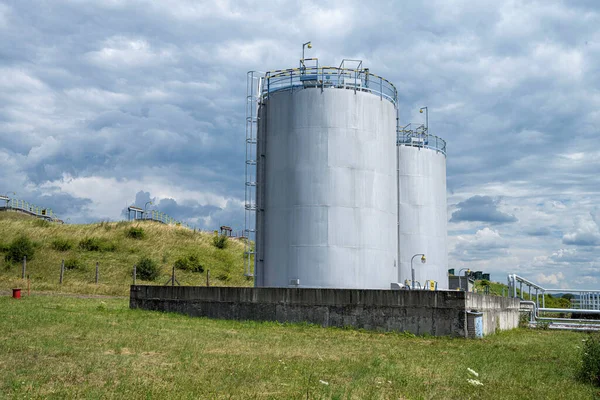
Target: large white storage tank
(422, 206)
(326, 179)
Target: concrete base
(440, 313)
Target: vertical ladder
(253, 94)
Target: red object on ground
(16, 293)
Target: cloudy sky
(115, 102)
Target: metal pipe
(569, 310)
(412, 269)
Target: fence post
(24, 267)
(97, 274)
(134, 274)
(62, 271)
(208, 278)
(173, 277)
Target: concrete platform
(439, 313)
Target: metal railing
(329, 78)
(419, 137)
(587, 302)
(29, 208)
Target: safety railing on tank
(329, 78)
(419, 137)
(28, 208)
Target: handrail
(420, 138)
(329, 78)
(31, 209)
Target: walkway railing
(29, 208)
(154, 215)
(329, 78)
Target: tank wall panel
(329, 190)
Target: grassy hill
(111, 245)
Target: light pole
(459, 285)
(145, 206)
(426, 118)
(412, 269)
(309, 45)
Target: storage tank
(326, 208)
(422, 223)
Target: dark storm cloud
(482, 209)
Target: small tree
(19, 248)
(220, 241)
(147, 269)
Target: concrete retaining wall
(499, 313)
(440, 313)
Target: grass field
(164, 244)
(63, 347)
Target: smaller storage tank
(422, 223)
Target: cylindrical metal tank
(422, 207)
(326, 178)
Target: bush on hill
(60, 244)
(220, 241)
(189, 263)
(73, 263)
(147, 269)
(96, 244)
(19, 248)
(135, 232)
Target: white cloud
(551, 279)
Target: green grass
(117, 254)
(496, 289)
(62, 347)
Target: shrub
(590, 360)
(61, 244)
(224, 276)
(189, 263)
(135, 233)
(73, 263)
(96, 244)
(19, 248)
(3, 248)
(89, 244)
(220, 241)
(147, 269)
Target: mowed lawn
(65, 347)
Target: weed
(60, 244)
(590, 360)
(73, 263)
(135, 232)
(220, 241)
(224, 276)
(41, 223)
(96, 244)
